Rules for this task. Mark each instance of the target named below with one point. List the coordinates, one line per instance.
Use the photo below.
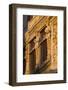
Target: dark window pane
(32, 44)
(42, 33)
(32, 61)
(43, 51)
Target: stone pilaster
(38, 50)
(27, 71)
(48, 37)
(53, 26)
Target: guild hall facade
(40, 48)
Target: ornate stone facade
(41, 45)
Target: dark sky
(24, 26)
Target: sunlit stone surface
(40, 44)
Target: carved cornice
(34, 21)
(37, 27)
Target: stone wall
(35, 26)
(54, 43)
